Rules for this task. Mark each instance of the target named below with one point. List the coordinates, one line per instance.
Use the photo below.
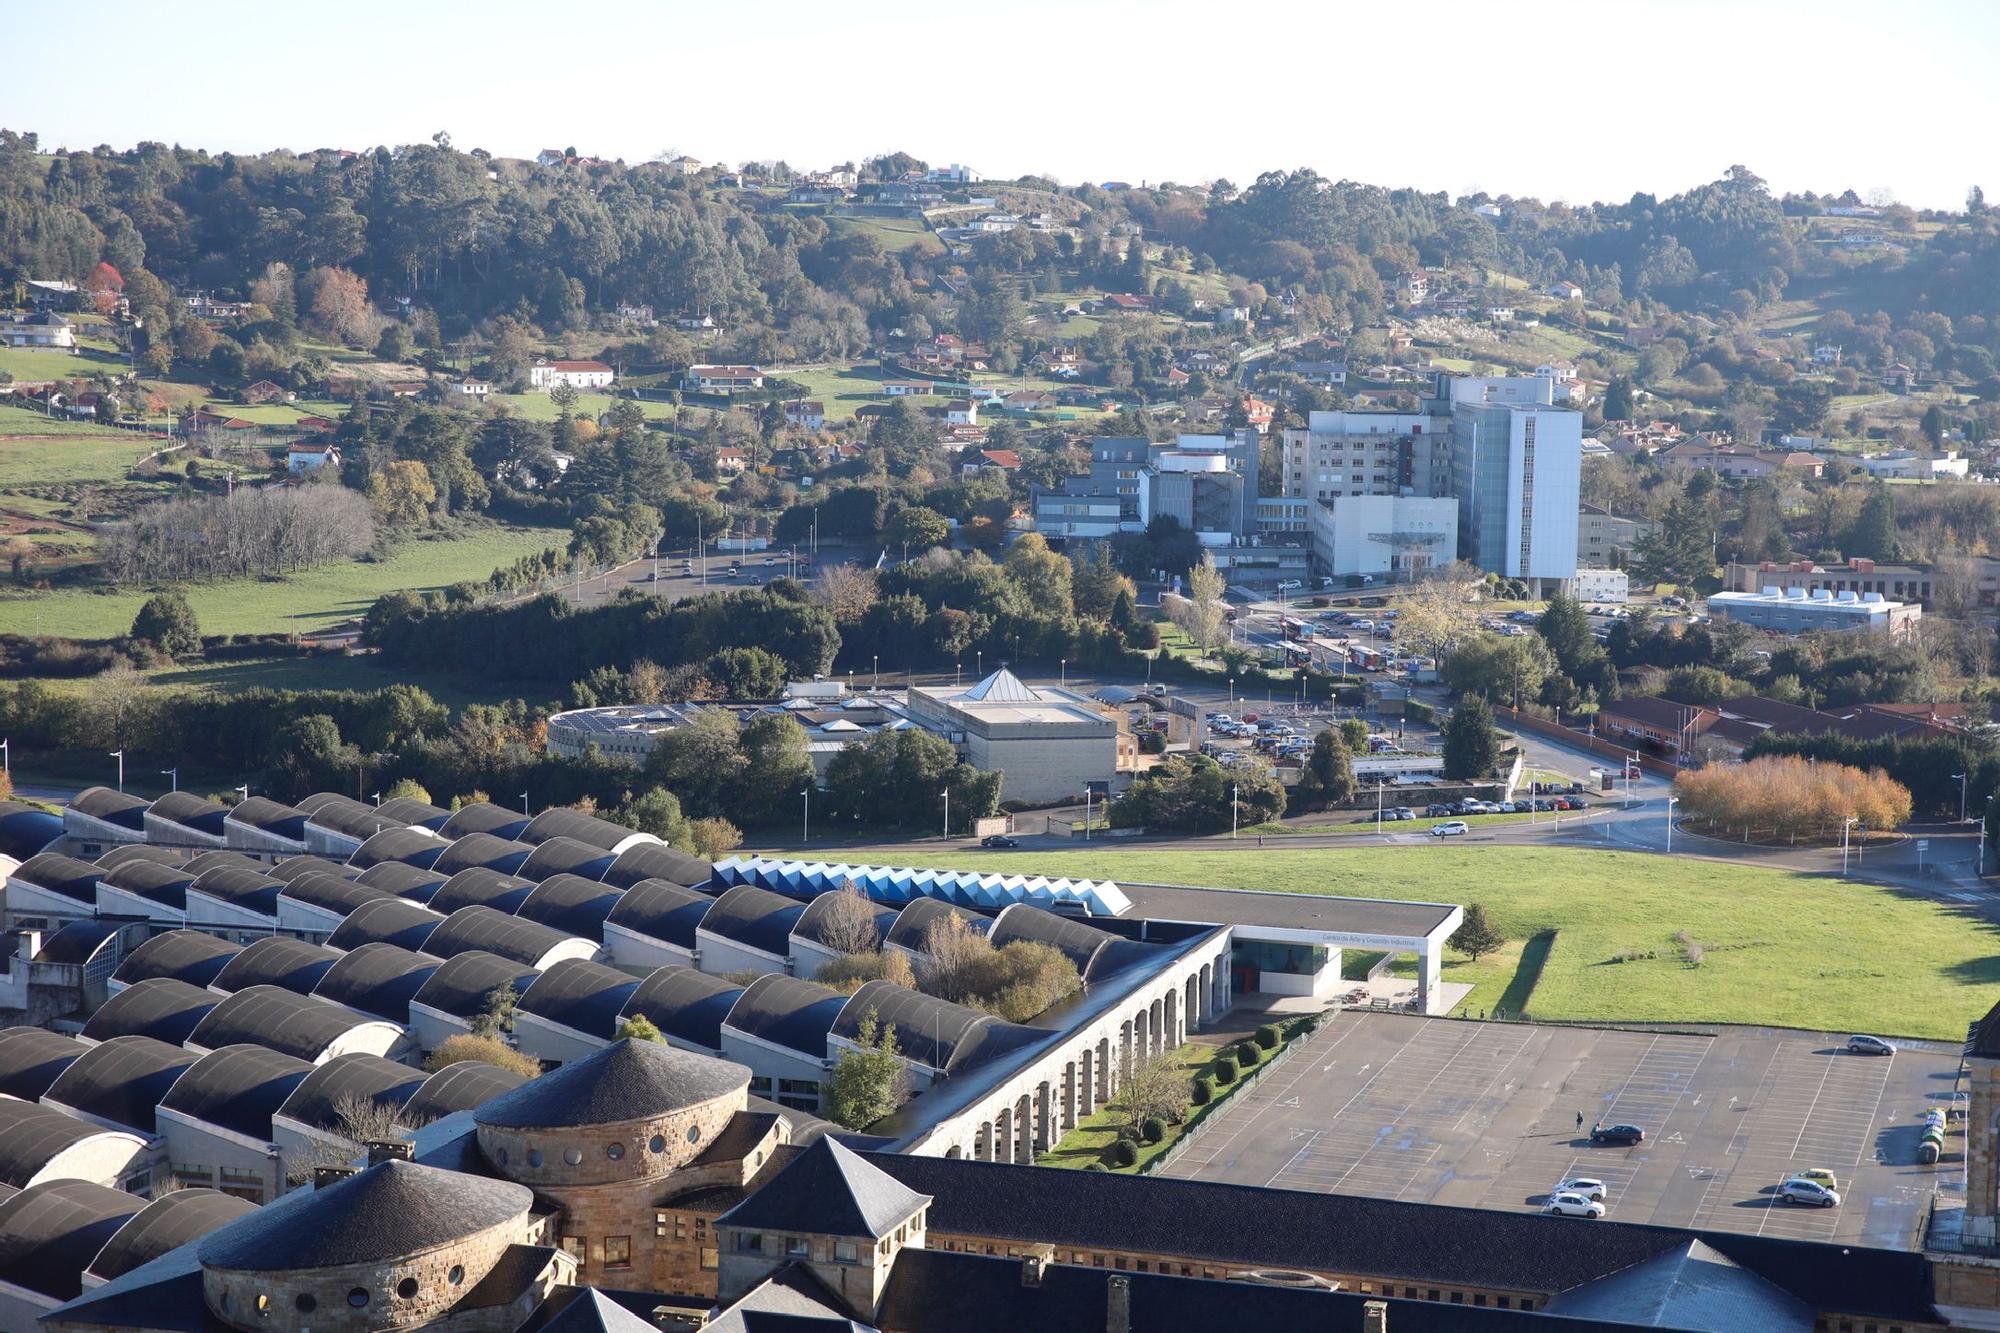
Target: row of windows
(614, 1151)
(617, 1250)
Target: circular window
(358, 1297)
(694, 1134)
(573, 1156)
(456, 1275)
(306, 1301)
(614, 1151)
(659, 1143)
(534, 1157)
(407, 1288)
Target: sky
(1578, 101)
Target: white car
(1451, 828)
(1565, 1203)
(1289, 585)
(1584, 1185)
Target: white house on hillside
(576, 374)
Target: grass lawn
(893, 233)
(1781, 948)
(1420, 824)
(541, 407)
(99, 455)
(318, 671)
(302, 602)
(25, 421)
(1094, 1134)
(28, 363)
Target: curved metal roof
(1081, 944)
(158, 1007)
(682, 1002)
(787, 1011)
(484, 817)
(914, 922)
(661, 909)
(190, 812)
(562, 822)
(566, 856)
(50, 1233)
(572, 904)
(379, 979)
(408, 845)
(32, 1135)
(32, 1058)
(627, 1080)
(481, 887)
(152, 880)
(249, 890)
(166, 1224)
(270, 817)
(483, 849)
(385, 921)
(26, 829)
(305, 863)
(237, 1087)
(658, 861)
(461, 984)
(459, 1087)
(318, 1100)
(331, 893)
(811, 924)
(581, 995)
(112, 807)
(296, 1025)
(77, 942)
(349, 818)
(756, 917)
(493, 932)
(221, 860)
(392, 1210)
(403, 880)
(413, 812)
(122, 1080)
(59, 874)
(193, 956)
(118, 857)
(934, 1032)
(277, 961)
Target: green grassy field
(28, 363)
(541, 407)
(892, 233)
(318, 671)
(1780, 948)
(1365, 823)
(97, 455)
(308, 601)
(24, 421)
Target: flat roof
(1381, 917)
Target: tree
(485, 1050)
(846, 923)
(168, 623)
(407, 789)
(639, 1028)
(869, 1080)
(1202, 611)
(1618, 399)
(1159, 1088)
(1679, 549)
(918, 528)
(496, 1013)
(1501, 667)
(338, 308)
(1439, 613)
(1873, 533)
(1471, 745)
(402, 492)
(712, 839)
(1194, 794)
(1476, 935)
(1327, 778)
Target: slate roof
(297, 1025)
(50, 1232)
(193, 956)
(489, 931)
(484, 817)
(237, 1087)
(277, 960)
(32, 1058)
(685, 1003)
(788, 1011)
(483, 849)
(77, 942)
(386, 921)
(755, 917)
(140, 851)
(627, 1080)
(316, 1101)
(571, 904)
(587, 1310)
(1986, 1035)
(112, 807)
(460, 1086)
(1002, 687)
(582, 995)
(163, 1008)
(461, 983)
(223, 860)
(31, 1135)
(593, 830)
(654, 861)
(417, 814)
(1086, 946)
(566, 856)
(122, 1080)
(190, 812)
(293, 868)
(409, 845)
(791, 1300)
(379, 979)
(914, 922)
(481, 887)
(829, 1189)
(390, 1210)
(346, 816)
(1692, 1287)
(58, 874)
(812, 922)
(26, 829)
(661, 909)
(165, 1224)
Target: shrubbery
(1225, 1070)
(1268, 1036)
(1153, 1130)
(1124, 1153)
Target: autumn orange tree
(1791, 797)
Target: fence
(1596, 745)
(1242, 1086)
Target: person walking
(1579, 1121)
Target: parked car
(769, 561)
(1451, 828)
(1589, 1187)
(1859, 1044)
(1810, 1192)
(1567, 1204)
(1402, 812)
(1437, 810)
(998, 840)
(1617, 1134)
(1819, 1175)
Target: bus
(1295, 629)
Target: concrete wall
(768, 1060)
(121, 902)
(29, 902)
(553, 1042)
(1043, 768)
(198, 1153)
(640, 954)
(720, 957)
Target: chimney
(1375, 1317)
(1031, 1270)
(387, 1150)
(330, 1175)
(1118, 1304)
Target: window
(658, 1143)
(749, 1242)
(534, 1157)
(358, 1298)
(456, 1275)
(614, 1151)
(694, 1133)
(711, 1260)
(847, 1252)
(407, 1288)
(577, 1249)
(306, 1302)
(617, 1251)
(573, 1156)
(798, 1247)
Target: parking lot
(1485, 1115)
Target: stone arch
(952, 1153)
(1191, 1004)
(1044, 1137)
(982, 1145)
(1024, 1130)
(1173, 1017)
(1103, 1089)
(1156, 1029)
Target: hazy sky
(1576, 101)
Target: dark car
(1436, 810)
(997, 840)
(1609, 1134)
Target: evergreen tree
(1471, 745)
(1873, 533)
(1328, 776)
(168, 623)
(868, 1080)
(1618, 399)
(1476, 934)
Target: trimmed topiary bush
(1203, 1091)
(1246, 1053)
(1093, 1166)
(1225, 1069)
(1125, 1132)
(1153, 1130)
(1268, 1036)
(1124, 1153)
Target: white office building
(1517, 463)
(1367, 453)
(1601, 587)
(1400, 537)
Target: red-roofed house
(263, 391)
(1124, 303)
(731, 460)
(805, 414)
(576, 374)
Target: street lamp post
(947, 813)
(1670, 821)
(7, 759)
(805, 816)
(173, 777)
(119, 755)
(878, 671)
(524, 804)
(1232, 691)
(1232, 810)
(1378, 808)
(1062, 672)
(1844, 825)
(1961, 795)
